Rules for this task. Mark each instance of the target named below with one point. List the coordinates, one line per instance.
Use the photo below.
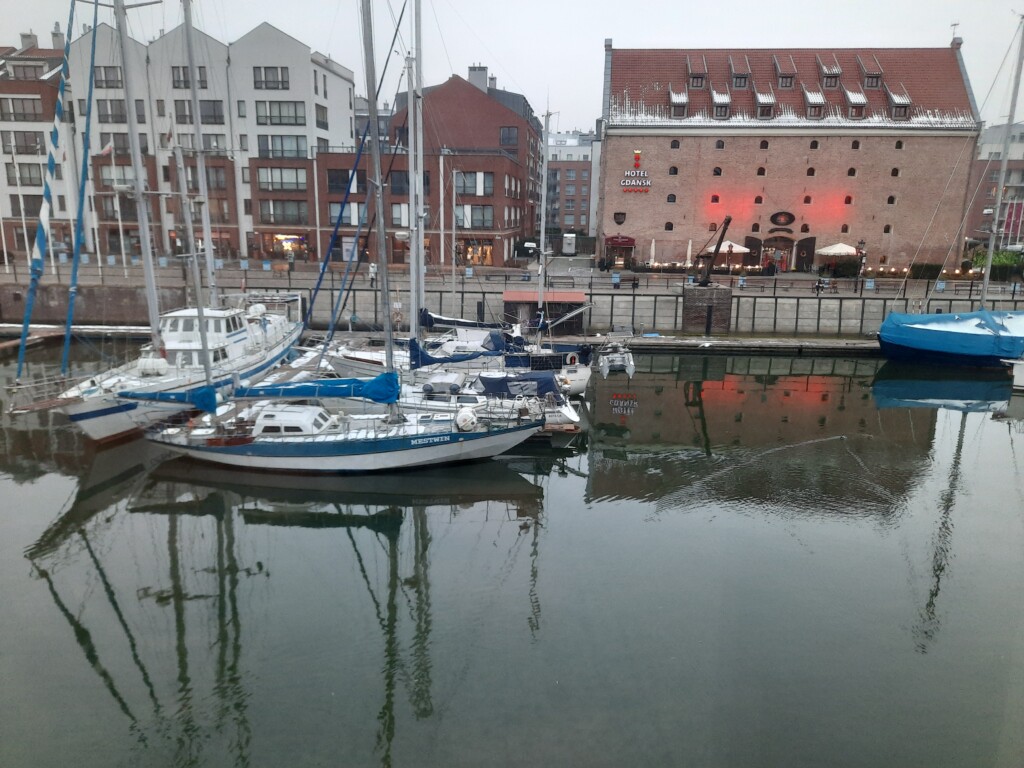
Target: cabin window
(187, 325)
(318, 422)
(292, 429)
(271, 429)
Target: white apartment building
(266, 95)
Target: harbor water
(747, 561)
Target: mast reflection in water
(750, 561)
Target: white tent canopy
(839, 249)
(726, 245)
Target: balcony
(284, 218)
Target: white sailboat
(305, 427)
(245, 340)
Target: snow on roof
(856, 98)
(721, 97)
(816, 98)
(678, 98)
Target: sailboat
(241, 341)
(984, 337)
(307, 426)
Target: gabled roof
(929, 81)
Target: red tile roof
(642, 80)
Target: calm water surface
(750, 562)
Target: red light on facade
(636, 158)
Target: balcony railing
(283, 218)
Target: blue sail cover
(203, 398)
(382, 389)
(494, 346)
(526, 384)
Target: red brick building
(803, 148)
(481, 176)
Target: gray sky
(553, 50)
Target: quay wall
(666, 306)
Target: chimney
(478, 76)
(492, 82)
(57, 36)
(28, 40)
(957, 43)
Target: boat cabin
(290, 421)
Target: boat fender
(466, 419)
(572, 358)
(453, 389)
(428, 388)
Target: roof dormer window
(765, 112)
(900, 112)
(739, 81)
(856, 113)
(696, 81)
(814, 111)
(721, 111)
(830, 81)
(872, 81)
(785, 81)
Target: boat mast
(375, 180)
(415, 243)
(542, 265)
(139, 181)
(1004, 158)
(417, 182)
(204, 194)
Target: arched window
(891, 200)
(851, 172)
(670, 199)
(807, 199)
(899, 145)
(719, 144)
(805, 228)
(712, 227)
(764, 143)
(714, 199)
(810, 171)
(673, 171)
(855, 144)
(758, 200)
(674, 144)
(895, 172)
(844, 229)
(814, 144)
(755, 227)
(848, 200)
(716, 171)
(668, 226)
(887, 229)
(761, 171)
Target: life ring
(572, 358)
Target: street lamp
(862, 252)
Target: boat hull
(324, 455)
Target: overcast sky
(553, 50)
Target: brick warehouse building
(804, 148)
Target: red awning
(620, 241)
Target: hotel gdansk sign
(635, 180)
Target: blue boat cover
(203, 398)
(493, 346)
(982, 336)
(527, 384)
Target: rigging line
(440, 34)
(483, 42)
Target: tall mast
(192, 256)
(420, 152)
(542, 266)
(375, 180)
(139, 190)
(204, 194)
(415, 242)
(1003, 162)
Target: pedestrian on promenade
(373, 275)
